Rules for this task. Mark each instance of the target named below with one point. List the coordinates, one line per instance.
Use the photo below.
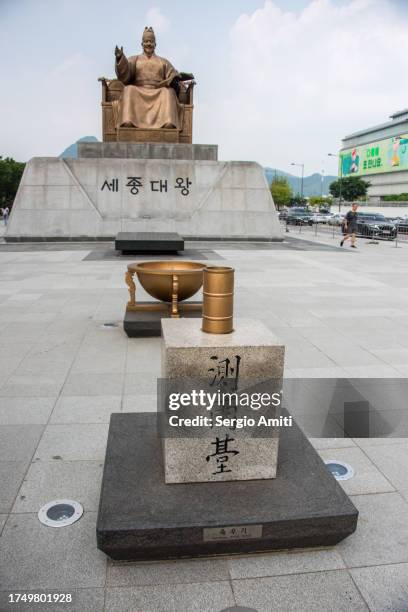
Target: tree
(297, 200)
(317, 201)
(352, 188)
(10, 175)
(281, 191)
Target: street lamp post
(341, 175)
(301, 184)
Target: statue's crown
(148, 29)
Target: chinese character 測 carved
(225, 372)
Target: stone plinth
(97, 198)
(142, 518)
(250, 360)
(147, 150)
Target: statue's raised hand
(118, 52)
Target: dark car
(299, 216)
(375, 224)
(402, 225)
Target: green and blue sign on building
(388, 155)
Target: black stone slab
(144, 323)
(141, 517)
(149, 242)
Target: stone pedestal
(147, 150)
(249, 360)
(97, 197)
(142, 518)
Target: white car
(336, 219)
(321, 217)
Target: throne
(112, 90)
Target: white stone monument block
(248, 360)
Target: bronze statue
(151, 86)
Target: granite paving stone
(195, 597)
(332, 443)
(32, 386)
(93, 384)
(73, 442)
(281, 563)
(329, 372)
(85, 409)
(18, 442)
(47, 480)
(367, 478)
(169, 572)
(382, 531)
(3, 518)
(309, 358)
(11, 476)
(392, 461)
(99, 358)
(332, 591)
(25, 410)
(140, 382)
(372, 371)
(33, 556)
(384, 588)
(139, 403)
(23, 333)
(83, 600)
(366, 443)
(9, 363)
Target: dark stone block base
(140, 517)
(145, 323)
(149, 242)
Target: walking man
(350, 226)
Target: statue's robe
(147, 100)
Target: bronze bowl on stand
(167, 281)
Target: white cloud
(155, 18)
(302, 81)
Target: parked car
(402, 225)
(375, 224)
(320, 217)
(299, 216)
(336, 219)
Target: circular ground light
(109, 325)
(339, 469)
(60, 513)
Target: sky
(278, 81)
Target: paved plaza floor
(340, 313)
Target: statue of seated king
(150, 101)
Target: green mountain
(72, 150)
(312, 185)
